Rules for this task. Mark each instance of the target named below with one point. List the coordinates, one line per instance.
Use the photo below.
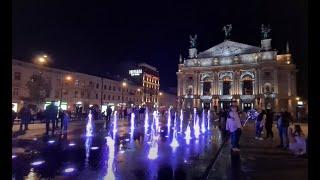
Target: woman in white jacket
(234, 126)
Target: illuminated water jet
(89, 128)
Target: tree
(39, 88)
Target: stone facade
(253, 77)
(83, 90)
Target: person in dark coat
(51, 113)
(269, 122)
(25, 115)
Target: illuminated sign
(300, 103)
(135, 72)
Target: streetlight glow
(68, 78)
(160, 93)
(124, 84)
(297, 98)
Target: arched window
(226, 85)
(247, 85)
(206, 89)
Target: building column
(289, 85)
(275, 81)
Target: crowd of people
(291, 138)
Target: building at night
(251, 76)
(77, 91)
(148, 77)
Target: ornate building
(254, 77)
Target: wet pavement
(132, 149)
(259, 160)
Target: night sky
(111, 36)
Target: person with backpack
(51, 113)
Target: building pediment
(228, 48)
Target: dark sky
(110, 36)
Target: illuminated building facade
(253, 77)
(78, 93)
(147, 76)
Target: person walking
(284, 124)
(60, 118)
(66, 119)
(108, 119)
(51, 113)
(269, 122)
(25, 116)
(260, 123)
(233, 126)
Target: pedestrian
(268, 125)
(60, 118)
(108, 119)
(51, 113)
(66, 119)
(283, 129)
(13, 117)
(25, 116)
(233, 126)
(260, 123)
(243, 117)
(297, 140)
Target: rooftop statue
(193, 41)
(227, 29)
(265, 31)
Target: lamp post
(160, 94)
(67, 78)
(124, 84)
(299, 103)
(139, 91)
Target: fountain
(181, 120)
(110, 173)
(153, 151)
(89, 128)
(132, 125)
(194, 115)
(146, 120)
(197, 128)
(174, 144)
(169, 119)
(188, 134)
(208, 124)
(203, 129)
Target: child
(297, 140)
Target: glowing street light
(124, 84)
(42, 59)
(66, 78)
(160, 93)
(297, 98)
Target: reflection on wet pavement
(131, 148)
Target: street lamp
(42, 59)
(124, 84)
(66, 78)
(160, 94)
